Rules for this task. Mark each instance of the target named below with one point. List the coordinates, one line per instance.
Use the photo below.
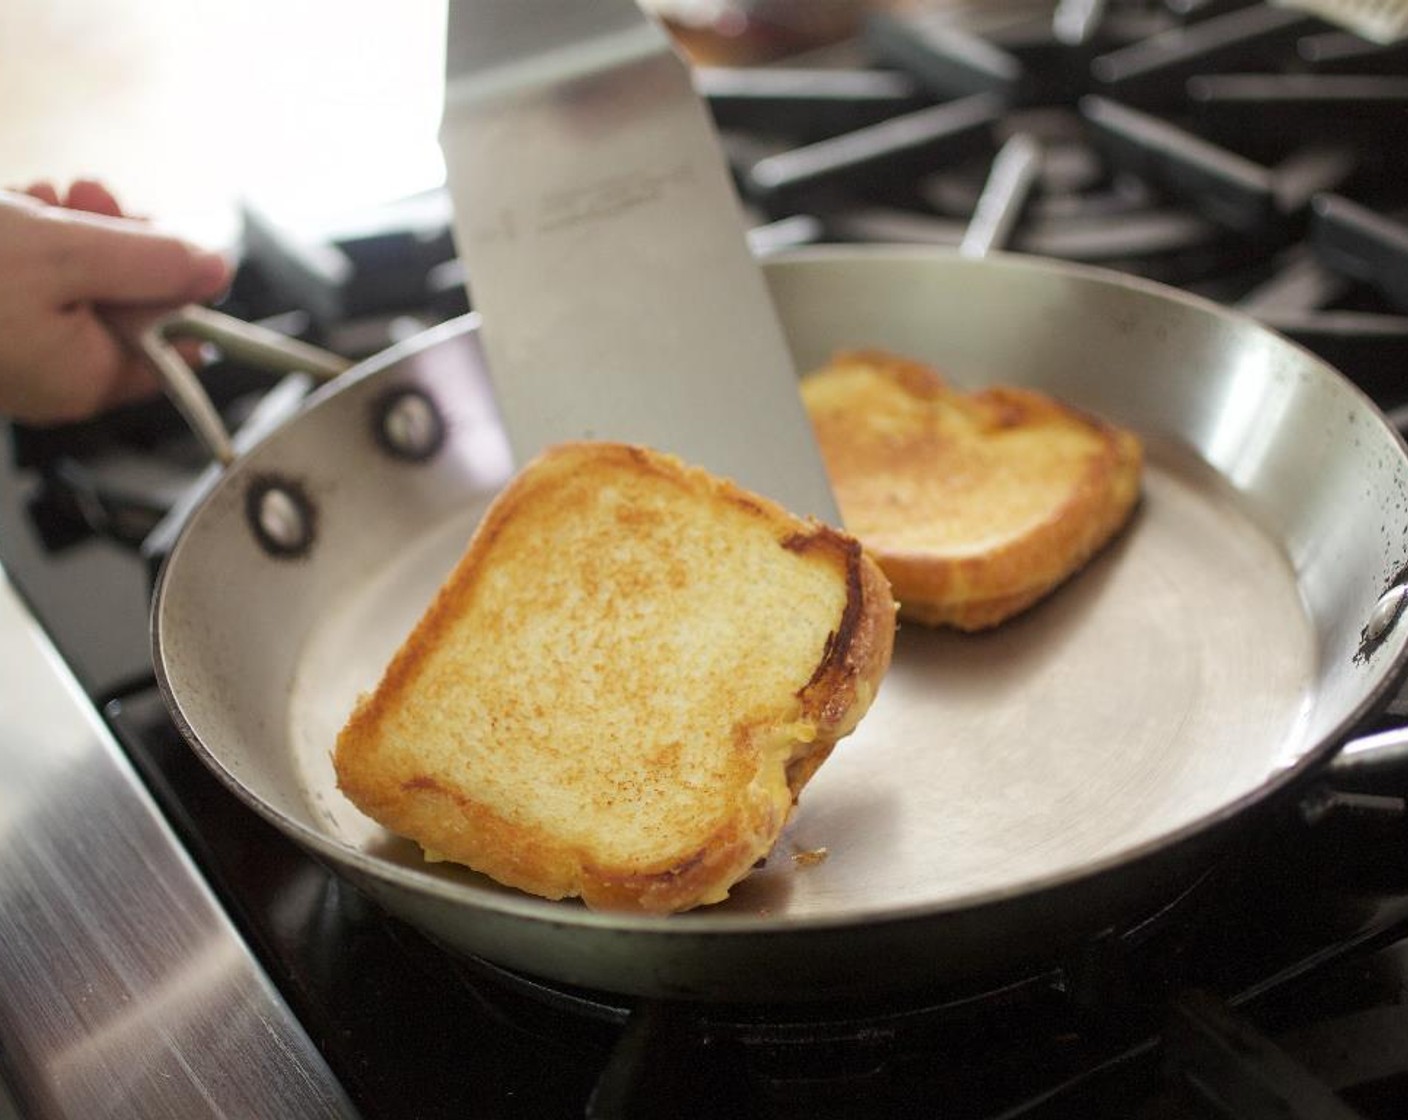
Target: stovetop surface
(1297, 937)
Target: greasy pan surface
(1008, 790)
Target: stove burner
(1122, 1009)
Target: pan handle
(1366, 781)
(1372, 756)
(151, 337)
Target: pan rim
(704, 923)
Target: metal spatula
(1380, 21)
(606, 251)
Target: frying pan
(1009, 793)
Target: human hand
(63, 260)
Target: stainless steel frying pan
(1009, 792)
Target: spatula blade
(606, 250)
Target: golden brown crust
(553, 723)
(975, 505)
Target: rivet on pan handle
(1380, 760)
(1386, 612)
(237, 339)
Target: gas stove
(1241, 151)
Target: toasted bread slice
(623, 685)
(976, 505)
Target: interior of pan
(1212, 647)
